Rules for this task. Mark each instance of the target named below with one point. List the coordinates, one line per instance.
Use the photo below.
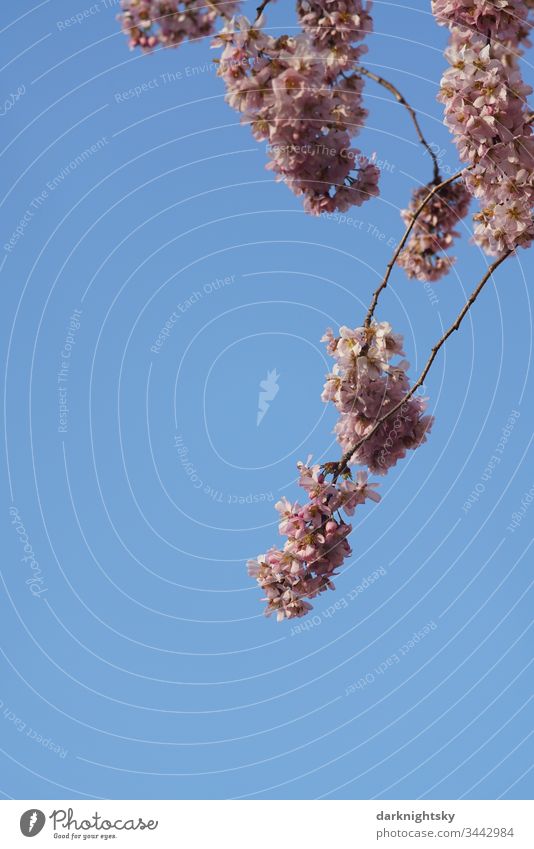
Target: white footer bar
(268, 824)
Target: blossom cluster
(485, 108)
(337, 24)
(316, 542)
(365, 385)
(167, 23)
(300, 94)
(302, 97)
(499, 20)
(433, 233)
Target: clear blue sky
(136, 662)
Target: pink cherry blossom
(484, 97)
(316, 543)
(503, 20)
(300, 95)
(434, 231)
(365, 385)
(168, 23)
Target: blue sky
(135, 660)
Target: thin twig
(413, 115)
(260, 9)
(343, 463)
(384, 282)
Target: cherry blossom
(149, 23)
(484, 97)
(503, 20)
(299, 96)
(434, 231)
(337, 24)
(316, 543)
(364, 386)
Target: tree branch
(343, 463)
(413, 114)
(409, 228)
(260, 9)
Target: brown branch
(384, 282)
(343, 463)
(260, 10)
(413, 115)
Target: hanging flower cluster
(485, 108)
(299, 95)
(434, 231)
(316, 543)
(365, 386)
(337, 24)
(499, 20)
(149, 23)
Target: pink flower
(364, 388)
(504, 20)
(366, 383)
(300, 94)
(357, 492)
(434, 231)
(484, 97)
(167, 23)
(316, 543)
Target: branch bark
(343, 463)
(260, 9)
(413, 114)
(400, 246)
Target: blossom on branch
(299, 95)
(484, 97)
(365, 385)
(434, 230)
(316, 543)
(337, 24)
(500, 20)
(168, 23)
